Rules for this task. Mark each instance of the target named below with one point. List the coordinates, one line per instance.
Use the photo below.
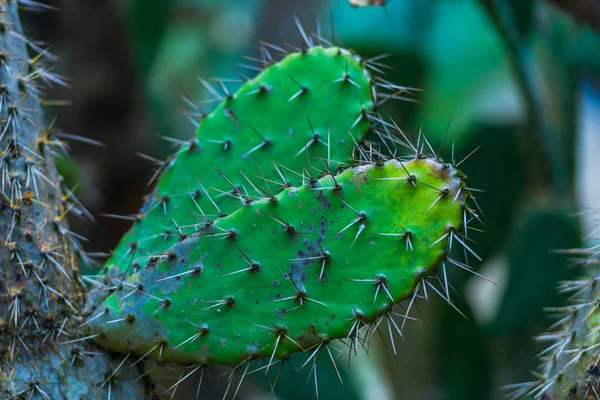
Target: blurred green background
(520, 78)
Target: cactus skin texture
(570, 366)
(283, 115)
(41, 293)
(283, 275)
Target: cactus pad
(283, 115)
(293, 272)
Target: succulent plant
(314, 103)
(264, 238)
(295, 271)
(278, 228)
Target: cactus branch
(42, 295)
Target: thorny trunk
(43, 353)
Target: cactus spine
(223, 267)
(569, 368)
(284, 115)
(293, 272)
(41, 292)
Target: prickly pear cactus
(42, 295)
(308, 106)
(570, 366)
(292, 272)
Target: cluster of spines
(363, 327)
(570, 365)
(76, 347)
(169, 211)
(382, 144)
(42, 295)
(36, 242)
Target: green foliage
(497, 144)
(531, 259)
(463, 347)
(292, 272)
(521, 12)
(149, 20)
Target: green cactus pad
(302, 107)
(285, 275)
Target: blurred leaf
(559, 80)
(467, 76)
(521, 13)
(470, 78)
(199, 40)
(405, 67)
(297, 385)
(535, 270)
(148, 20)
(583, 51)
(466, 370)
(69, 170)
(496, 168)
(545, 88)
